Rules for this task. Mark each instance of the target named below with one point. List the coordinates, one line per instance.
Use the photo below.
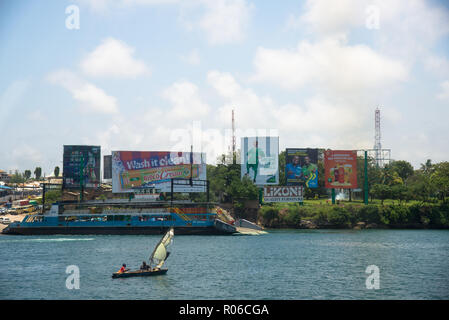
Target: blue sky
(141, 74)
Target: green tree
(403, 168)
(427, 167)
(440, 179)
(381, 192)
(38, 173)
(281, 162)
(56, 171)
(390, 177)
(420, 186)
(400, 192)
(27, 174)
(374, 173)
(17, 177)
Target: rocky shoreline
(309, 224)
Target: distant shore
(355, 216)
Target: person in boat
(144, 266)
(123, 269)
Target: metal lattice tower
(377, 136)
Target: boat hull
(126, 230)
(139, 273)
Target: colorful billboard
(301, 167)
(283, 194)
(340, 167)
(136, 169)
(260, 158)
(81, 164)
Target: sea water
(283, 264)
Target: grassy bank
(350, 215)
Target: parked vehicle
(11, 211)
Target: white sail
(160, 252)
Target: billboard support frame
(173, 183)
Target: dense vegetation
(415, 215)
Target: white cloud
(444, 93)
(113, 58)
(419, 17)
(186, 101)
(318, 121)
(103, 6)
(323, 18)
(225, 21)
(329, 63)
(93, 99)
(405, 28)
(222, 21)
(23, 153)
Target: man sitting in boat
(123, 269)
(144, 266)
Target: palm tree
(427, 167)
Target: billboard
(135, 169)
(107, 167)
(340, 167)
(301, 167)
(81, 164)
(260, 157)
(283, 194)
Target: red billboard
(340, 169)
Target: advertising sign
(340, 167)
(81, 164)
(260, 159)
(136, 169)
(283, 194)
(301, 167)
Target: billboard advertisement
(136, 169)
(283, 194)
(81, 164)
(260, 157)
(301, 167)
(340, 167)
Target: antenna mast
(377, 136)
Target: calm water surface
(287, 264)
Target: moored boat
(123, 216)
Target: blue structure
(123, 217)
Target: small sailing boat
(157, 258)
